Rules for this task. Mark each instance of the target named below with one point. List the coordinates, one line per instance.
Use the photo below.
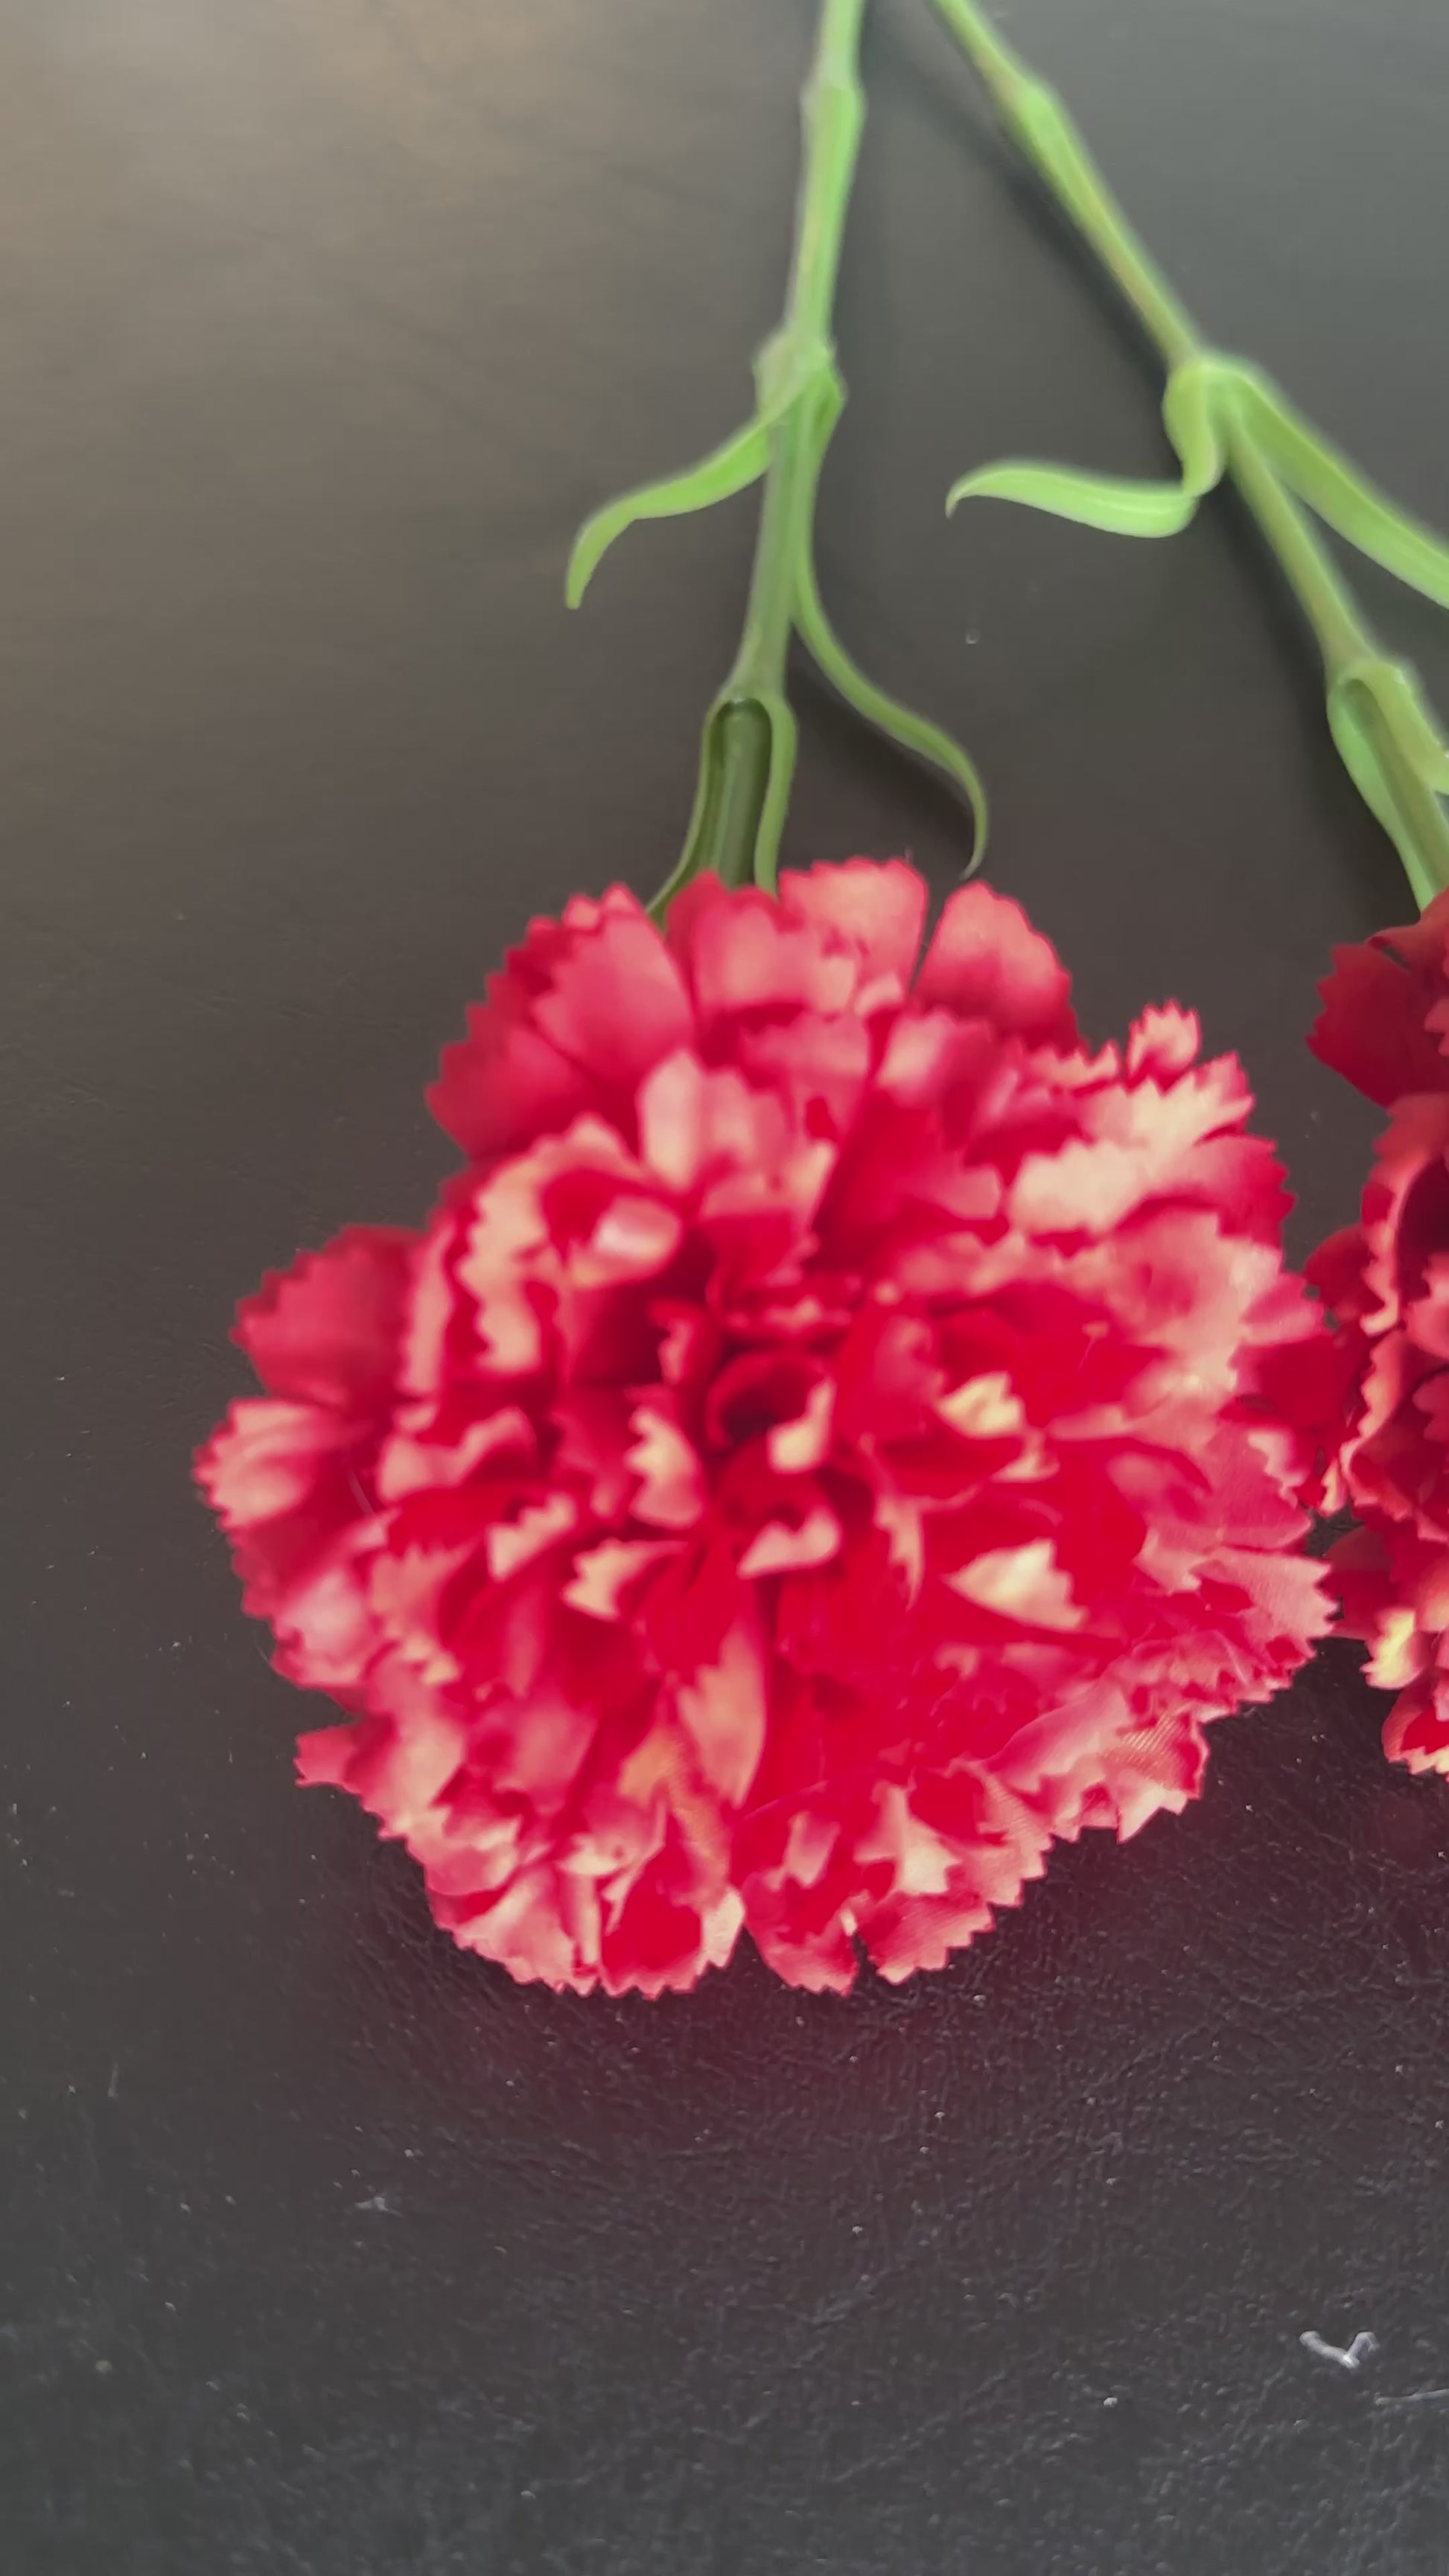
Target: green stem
(747, 753)
(1042, 127)
(731, 832)
(832, 113)
(1385, 735)
(1308, 568)
(1038, 122)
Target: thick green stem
(1039, 123)
(832, 114)
(1307, 566)
(727, 828)
(747, 754)
(786, 512)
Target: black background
(327, 2249)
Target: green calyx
(747, 751)
(1226, 420)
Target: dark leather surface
(327, 2251)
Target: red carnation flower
(1385, 1026)
(836, 1435)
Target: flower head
(1385, 1027)
(835, 1435)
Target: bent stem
(747, 751)
(1226, 419)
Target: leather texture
(327, 2252)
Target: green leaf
(1343, 497)
(785, 372)
(913, 733)
(1107, 501)
(1399, 762)
(1111, 502)
(717, 477)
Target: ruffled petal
(878, 909)
(580, 1013)
(1383, 1025)
(986, 962)
(326, 1331)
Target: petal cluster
(836, 1434)
(1385, 1027)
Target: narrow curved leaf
(1111, 502)
(1343, 498)
(728, 469)
(1119, 506)
(785, 373)
(913, 733)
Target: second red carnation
(1385, 1027)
